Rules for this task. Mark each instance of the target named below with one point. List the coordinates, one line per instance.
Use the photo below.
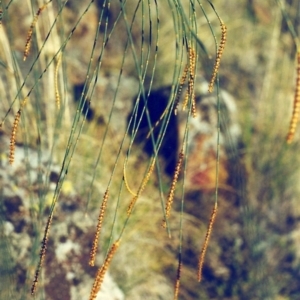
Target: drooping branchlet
(157, 123)
(102, 270)
(126, 182)
(172, 188)
(30, 31)
(142, 187)
(147, 177)
(218, 58)
(42, 254)
(12, 145)
(98, 229)
(190, 93)
(181, 83)
(194, 107)
(177, 283)
(296, 108)
(131, 205)
(57, 97)
(13, 137)
(207, 237)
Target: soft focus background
(100, 55)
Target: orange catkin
(13, 137)
(190, 93)
(177, 283)
(102, 270)
(204, 248)
(172, 188)
(218, 58)
(98, 229)
(147, 177)
(57, 97)
(30, 31)
(14, 132)
(142, 187)
(296, 108)
(192, 66)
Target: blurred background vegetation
(101, 54)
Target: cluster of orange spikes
(189, 71)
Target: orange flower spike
(14, 132)
(218, 58)
(131, 205)
(147, 177)
(98, 229)
(207, 237)
(296, 108)
(102, 270)
(13, 137)
(194, 107)
(177, 283)
(191, 92)
(142, 187)
(30, 31)
(172, 188)
(57, 96)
